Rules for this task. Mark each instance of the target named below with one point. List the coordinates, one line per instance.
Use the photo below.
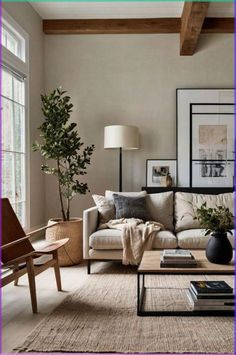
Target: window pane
(12, 43)
(19, 137)
(7, 85)
(20, 177)
(8, 176)
(7, 125)
(19, 209)
(4, 37)
(19, 91)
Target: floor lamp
(122, 137)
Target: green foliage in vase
(62, 144)
(219, 219)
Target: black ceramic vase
(219, 250)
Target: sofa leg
(88, 267)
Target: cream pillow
(186, 205)
(106, 208)
(160, 208)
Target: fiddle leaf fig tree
(61, 143)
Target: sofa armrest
(90, 222)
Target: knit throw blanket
(136, 237)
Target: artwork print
(158, 172)
(213, 142)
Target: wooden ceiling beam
(112, 26)
(192, 20)
(132, 26)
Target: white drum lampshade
(122, 137)
(125, 137)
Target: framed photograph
(158, 169)
(217, 104)
(212, 173)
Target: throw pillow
(109, 194)
(106, 208)
(160, 208)
(130, 207)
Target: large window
(14, 123)
(13, 141)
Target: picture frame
(204, 100)
(156, 169)
(212, 145)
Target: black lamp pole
(120, 171)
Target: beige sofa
(176, 211)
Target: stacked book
(211, 296)
(175, 258)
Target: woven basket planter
(72, 252)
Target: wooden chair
(19, 257)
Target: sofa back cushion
(161, 209)
(186, 205)
(109, 194)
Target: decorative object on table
(211, 296)
(217, 222)
(122, 137)
(205, 119)
(177, 258)
(62, 144)
(160, 172)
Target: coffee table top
(150, 263)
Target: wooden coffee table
(150, 265)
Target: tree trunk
(68, 210)
(60, 194)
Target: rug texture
(101, 317)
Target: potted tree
(217, 222)
(61, 145)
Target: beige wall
(129, 79)
(31, 22)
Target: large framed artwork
(205, 137)
(158, 169)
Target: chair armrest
(49, 248)
(90, 222)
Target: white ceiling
(93, 10)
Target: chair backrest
(11, 231)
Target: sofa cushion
(130, 207)
(106, 208)
(109, 194)
(196, 239)
(160, 208)
(186, 205)
(106, 239)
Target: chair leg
(57, 270)
(31, 277)
(17, 279)
(88, 267)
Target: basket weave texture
(72, 252)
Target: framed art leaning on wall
(212, 145)
(157, 171)
(205, 142)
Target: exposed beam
(112, 26)
(218, 25)
(192, 19)
(122, 26)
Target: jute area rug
(101, 317)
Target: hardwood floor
(17, 317)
